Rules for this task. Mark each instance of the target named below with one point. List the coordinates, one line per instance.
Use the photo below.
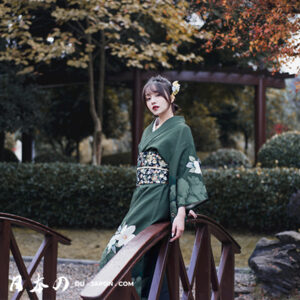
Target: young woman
(169, 180)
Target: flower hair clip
(175, 87)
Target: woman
(169, 180)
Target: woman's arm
(178, 223)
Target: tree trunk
(246, 141)
(77, 152)
(95, 117)
(2, 141)
(101, 87)
(101, 77)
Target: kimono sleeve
(191, 190)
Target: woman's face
(157, 104)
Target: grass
(89, 244)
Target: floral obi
(151, 168)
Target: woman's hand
(178, 224)
(192, 213)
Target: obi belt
(151, 168)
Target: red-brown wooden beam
(4, 258)
(259, 79)
(242, 78)
(50, 268)
(260, 115)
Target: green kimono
(168, 176)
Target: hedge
(66, 194)
(74, 195)
(230, 158)
(281, 150)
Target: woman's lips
(155, 107)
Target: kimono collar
(167, 125)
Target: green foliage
(254, 199)
(204, 127)
(67, 119)
(115, 118)
(21, 102)
(213, 110)
(226, 157)
(73, 195)
(227, 119)
(69, 195)
(281, 150)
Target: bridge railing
(47, 251)
(202, 276)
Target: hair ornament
(175, 87)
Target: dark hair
(163, 87)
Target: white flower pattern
(111, 244)
(125, 235)
(194, 165)
(122, 236)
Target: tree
(85, 30)
(257, 31)
(279, 111)
(204, 127)
(67, 119)
(21, 103)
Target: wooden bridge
(200, 281)
(47, 251)
(209, 284)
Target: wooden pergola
(259, 79)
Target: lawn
(89, 244)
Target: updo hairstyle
(161, 86)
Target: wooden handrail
(217, 230)
(47, 250)
(38, 227)
(209, 284)
(117, 268)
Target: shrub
(74, 195)
(281, 150)
(253, 199)
(64, 194)
(226, 157)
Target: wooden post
(4, 258)
(26, 147)
(50, 268)
(203, 269)
(260, 115)
(137, 115)
(173, 270)
(226, 273)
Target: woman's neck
(164, 117)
